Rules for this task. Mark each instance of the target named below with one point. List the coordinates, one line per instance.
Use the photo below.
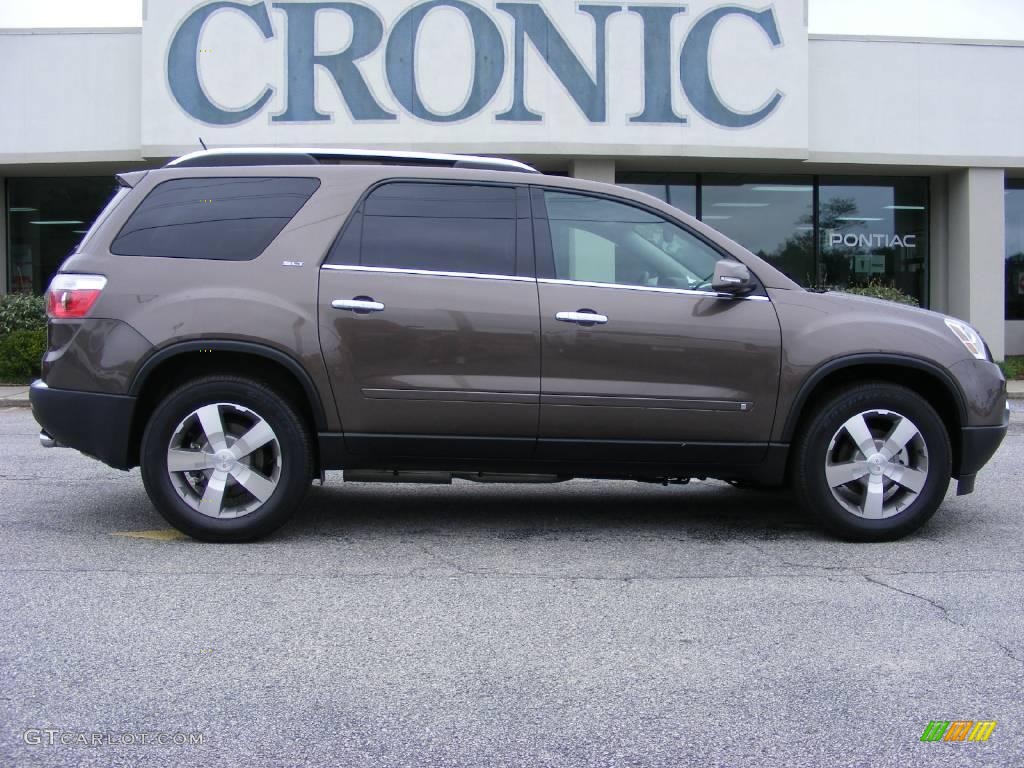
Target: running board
(395, 476)
(442, 478)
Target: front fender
(823, 333)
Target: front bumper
(977, 446)
(97, 424)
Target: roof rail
(209, 158)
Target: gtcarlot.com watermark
(53, 737)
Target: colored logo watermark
(958, 730)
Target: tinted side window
(440, 227)
(602, 241)
(231, 219)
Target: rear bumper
(977, 446)
(94, 423)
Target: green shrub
(879, 290)
(21, 352)
(21, 312)
(1013, 367)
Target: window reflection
(874, 229)
(676, 189)
(46, 218)
(865, 228)
(597, 240)
(771, 216)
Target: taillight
(72, 296)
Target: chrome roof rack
(210, 158)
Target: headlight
(969, 337)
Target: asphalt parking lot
(581, 624)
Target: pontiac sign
(701, 78)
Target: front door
(641, 360)
(429, 322)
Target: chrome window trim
(431, 272)
(652, 289)
(546, 280)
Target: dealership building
(839, 159)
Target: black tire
(295, 457)
(812, 446)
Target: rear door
(429, 322)
(641, 360)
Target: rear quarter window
(119, 195)
(223, 218)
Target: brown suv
(239, 321)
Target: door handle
(582, 317)
(360, 304)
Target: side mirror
(731, 277)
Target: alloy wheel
(224, 460)
(876, 464)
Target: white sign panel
(550, 76)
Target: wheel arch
(181, 361)
(923, 377)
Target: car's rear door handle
(358, 304)
(583, 317)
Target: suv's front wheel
(874, 462)
(226, 459)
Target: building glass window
(874, 228)
(46, 218)
(676, 189)
(771, 216)
(864, 228)
(1015, 250)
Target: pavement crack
(947, 616)
(934, 603)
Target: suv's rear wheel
(226, 459)
(874, 463)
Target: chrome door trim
(592, 318)
(652, 289)
(358, 305)
(430, 272)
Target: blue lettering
(488, 60)
(695, 67)
(367, 32)
(657, 63)
(585, 85)
(183, 68)
(588, 92)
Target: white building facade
(841, 160)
